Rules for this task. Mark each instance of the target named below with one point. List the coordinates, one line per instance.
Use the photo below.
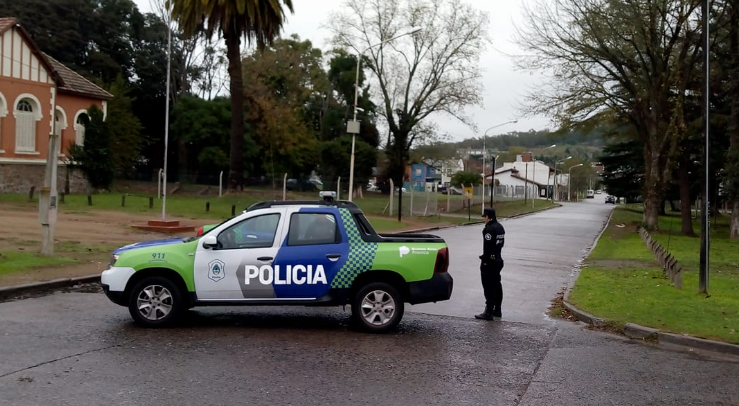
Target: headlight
(113, 259)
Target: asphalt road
(77, 348)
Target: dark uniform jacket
(493, 240)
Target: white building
(524, 178)
(448, 168)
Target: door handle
(333, 257)
(265, 259)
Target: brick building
(34, 88)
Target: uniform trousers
(490, 275)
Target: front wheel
(155, 302)
(377, 307)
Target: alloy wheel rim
(378, 307)
(155, 302)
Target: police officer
(491, 264)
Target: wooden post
(123, 200)
(89, 200)
(30, 193)
(151, 202)
(207, 207)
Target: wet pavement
(77, 348)
(541, 255)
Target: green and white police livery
(321, 253)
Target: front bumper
(436, 289)
(115, 297)
(114, 281)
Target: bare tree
(628, 59)
(188, 46)
(433, 71)
(209, 75)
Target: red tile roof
(75, 83)
(66, 79)
(6, 22)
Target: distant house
(423, 176)
(513, 178)
(449, 167)
(34, 88)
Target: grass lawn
(622, 283)
(18, 261)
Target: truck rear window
(363, 224)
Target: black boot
(486, 315)
(497, 313)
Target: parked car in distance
(591, 194)
(597, 192)
(303, 185)
(610, 199)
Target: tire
(377, 307)
(155, 302)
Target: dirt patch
(87, 237)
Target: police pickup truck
(311, 253)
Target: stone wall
(19, 178)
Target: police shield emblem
(216, 270)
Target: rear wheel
(155, 302)
(377, 307)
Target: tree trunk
(686, 218)
(236, 172)
(652, 190)
(732, 164)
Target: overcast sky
(503, 86)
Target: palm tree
(256, 20)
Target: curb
(636, 331)
(10, 292)
(584, 316)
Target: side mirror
(210, 241)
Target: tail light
(200, 231)
(442, 260)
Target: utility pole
(526, 185)
(166, 114)
(705, 221)
(48, 196)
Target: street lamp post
(554, 193)
(526, 185)
(492, 183)
(569, 180)
(353, 126)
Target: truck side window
(255, 232)
(313, 228)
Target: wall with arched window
(60, 125)
(27, 112)
(80, 121)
